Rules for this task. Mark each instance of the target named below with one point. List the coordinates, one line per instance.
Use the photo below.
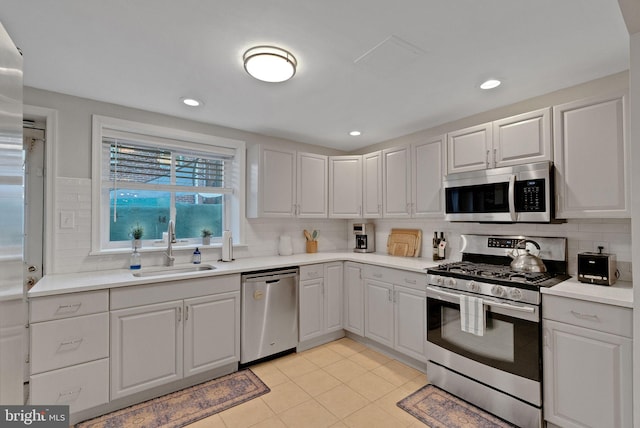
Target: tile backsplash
(72, 242)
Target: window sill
(163, 248)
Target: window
(148, 175)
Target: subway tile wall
(72, 245)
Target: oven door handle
(512, 198)
(455, 296)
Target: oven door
(511, 340)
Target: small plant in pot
(136, 234)
(206, 237)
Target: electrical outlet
(604, 245)
(67, 219)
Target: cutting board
(404, 242)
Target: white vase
(285, 247)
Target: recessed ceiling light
(191, 102)
(490, 84)
(270, 64)
(355, 133)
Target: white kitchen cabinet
(524, 138)
(345, 186)
(353, 298)
(69, 350)
(395, 310)
(587, 364)
(320, 300)
(372, 185)
(591, 158)
(427, 170)
(284, 183)
(396, 182)
(12, 332)
(164, 332)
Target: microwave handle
(512, 198)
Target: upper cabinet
(372, 185)
(286, 183)
(345, 186)
(591, 158)
(396, 182)
(515, 140)
(427, 170)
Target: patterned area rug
(186, 406)
(439, 409)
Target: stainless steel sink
(172, 270)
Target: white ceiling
(433, 55)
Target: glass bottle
(135, 260)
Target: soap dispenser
(197, 257)
(135, 261)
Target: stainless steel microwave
(514, 194)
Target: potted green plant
(136, 234)
(206, 236)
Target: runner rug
(439, 409)
(186, 406)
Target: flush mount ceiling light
(355, 133)
(270, 64)
(191, 102)
(490, 84)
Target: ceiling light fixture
(490, 84)
(355, 133)
(269, 63)
(191, 102)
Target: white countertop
(620, 294)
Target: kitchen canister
(285, 247)
(227, 246)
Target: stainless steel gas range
(484, 324)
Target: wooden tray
(404, 242)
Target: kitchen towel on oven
(472, 315)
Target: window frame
(172, 139)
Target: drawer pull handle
(66, 396)
(65, 309)
(377, 275)
(585, 316)
(410, 281)
(73, 342)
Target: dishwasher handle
(269, 277)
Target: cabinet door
(277, 187)
(427, 170)
(378, 313)
(468, 149)
(523, 138)
(333, 281)
(212, 332)
(146, 347)
(311, 308)
(590, 154)
(396, 183)
(353, 298)
(12, 346)
(312, 185)
(587, 380)
(345, 186)
(372, 185)
(410, 322)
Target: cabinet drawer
(80, 387)
(68, 305)
(378, 273)
(597, 316)
(409, 279)
(311, 271)
(62, 343)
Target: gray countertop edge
(619, 294)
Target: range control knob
(497, 290)
(473, 286)
(451, 282)
(515, 293)
(439, 280)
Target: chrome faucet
(171, 235)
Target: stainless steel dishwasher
(269, 322)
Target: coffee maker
(365, 237)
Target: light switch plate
(67, 219)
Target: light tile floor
(340, 384)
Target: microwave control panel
(530, 195)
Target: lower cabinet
(320, 299)
(156, 344)
(587, 364)
(395, 315)
(353, 298)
